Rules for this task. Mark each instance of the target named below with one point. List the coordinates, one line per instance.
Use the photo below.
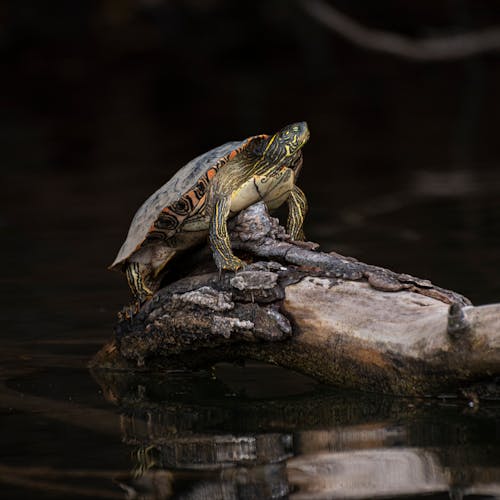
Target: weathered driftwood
(338, 320)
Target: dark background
(102, 101)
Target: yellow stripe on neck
(269, 143)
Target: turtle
(203, 194)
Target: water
(238, 432)
(101, 107)
(249, 431)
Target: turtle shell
(162, 214)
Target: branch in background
(431, 49)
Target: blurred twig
(431, 49)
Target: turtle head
(287, 141)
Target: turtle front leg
(219, 237)
(297, 209)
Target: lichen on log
(338, 320)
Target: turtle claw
(234, 264)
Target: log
(340, 321)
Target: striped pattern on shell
(162, 214)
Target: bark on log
(338, 320)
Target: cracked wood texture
(338, 320)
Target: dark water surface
(402, 170)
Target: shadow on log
(333, 318)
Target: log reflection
(190, 437)
(368, 473)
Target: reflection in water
(368, 473)
(189, 437)
(234, 433)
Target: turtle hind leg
(137, 281)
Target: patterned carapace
(191, 203)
